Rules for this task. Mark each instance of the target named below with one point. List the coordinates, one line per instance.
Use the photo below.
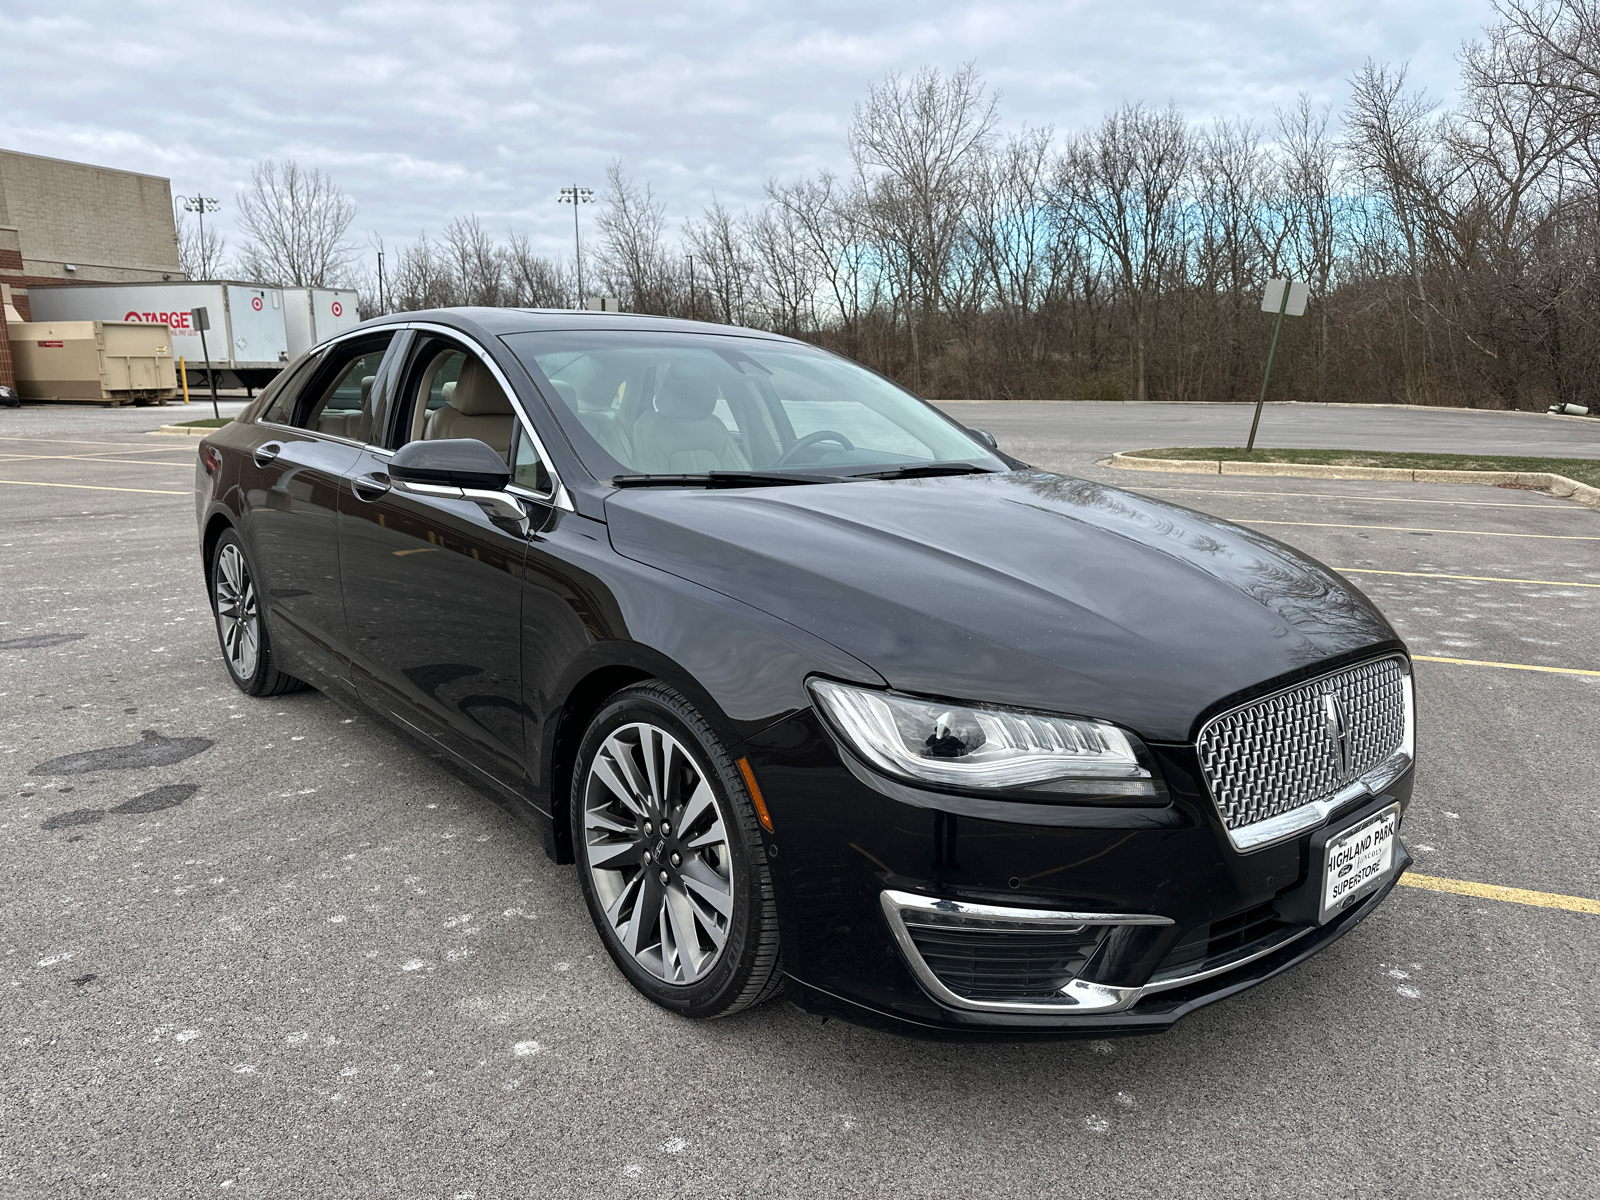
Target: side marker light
(755, 795)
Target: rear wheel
(670, 858)
(246, 648)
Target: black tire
(257, 675)
(746, 969)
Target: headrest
(477, 394)
(568, 394)
(448, 390)
(689, 393)
(366, 393)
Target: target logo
(338, 309)
(255, 303)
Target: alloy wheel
(238, 621)
(656, 848)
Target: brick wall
(114, 226)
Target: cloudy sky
(426, 111)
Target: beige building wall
(113, 226)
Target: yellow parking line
(1557, 537)
(1478, 662)
(1493, 891)
(89, 487)
(1477, 578)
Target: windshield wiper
(720, 479)
(926, 470)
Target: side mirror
(450, 463)
(984, 436)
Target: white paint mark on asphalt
(1453, 816)
(1125, 1100)
(461, 920)
(243, 1069)
(633, 1170)
(1095, 1123)
(349, 1071)
(338, 920)
(674, 1145)
(57, 958)
(298, 1039)
(562, 966)
(1101, 1048)
(416, 964)
(186, 1035)
(525, 1049)
(1397, 973)
(1409, 992)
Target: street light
(576, 196)
(201, 205)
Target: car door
(432, 586)
(307, 440)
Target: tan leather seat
(341, 422)
(478, 409)
(682, 436)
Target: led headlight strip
(968, 746)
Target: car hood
(1028, 589)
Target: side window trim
(557, 495)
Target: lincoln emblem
(1333, 719)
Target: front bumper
(1163, 880)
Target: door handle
(267, 453)
(369, 487)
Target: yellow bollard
(183, 375)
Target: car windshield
(643, 403)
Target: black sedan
(821, 691)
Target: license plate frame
(1357, 861)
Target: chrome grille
(1280, 752)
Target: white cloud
(428, 111)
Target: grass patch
(1584, 470)
(208, 423)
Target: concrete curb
(186, 430)
(1544, 481)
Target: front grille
(1280, 752)
(1005, 964)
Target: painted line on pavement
(1552, 537)
(1475, 578)
(1364, 499)
(132, 447)
(1493, 891)
(93, 458)
(90, 487)
(1478, 662)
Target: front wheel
(670, 859)
(246, 649)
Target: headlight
(970, 747)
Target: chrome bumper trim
(1076, 997)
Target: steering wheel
(811, 439)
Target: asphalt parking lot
(263, 947)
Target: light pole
(200, 206)
(575, 196)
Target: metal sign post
(1286, 298)
(202, 322)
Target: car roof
(500, 321)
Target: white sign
(1299, 293)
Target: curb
(1544, 481)
(187, 430)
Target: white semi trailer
(311, 314)
(247, 341)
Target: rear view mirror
(450, 462)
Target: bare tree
(533, 281)
(200, 257)
(295, 222)
(475, 262)
(634, 260)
